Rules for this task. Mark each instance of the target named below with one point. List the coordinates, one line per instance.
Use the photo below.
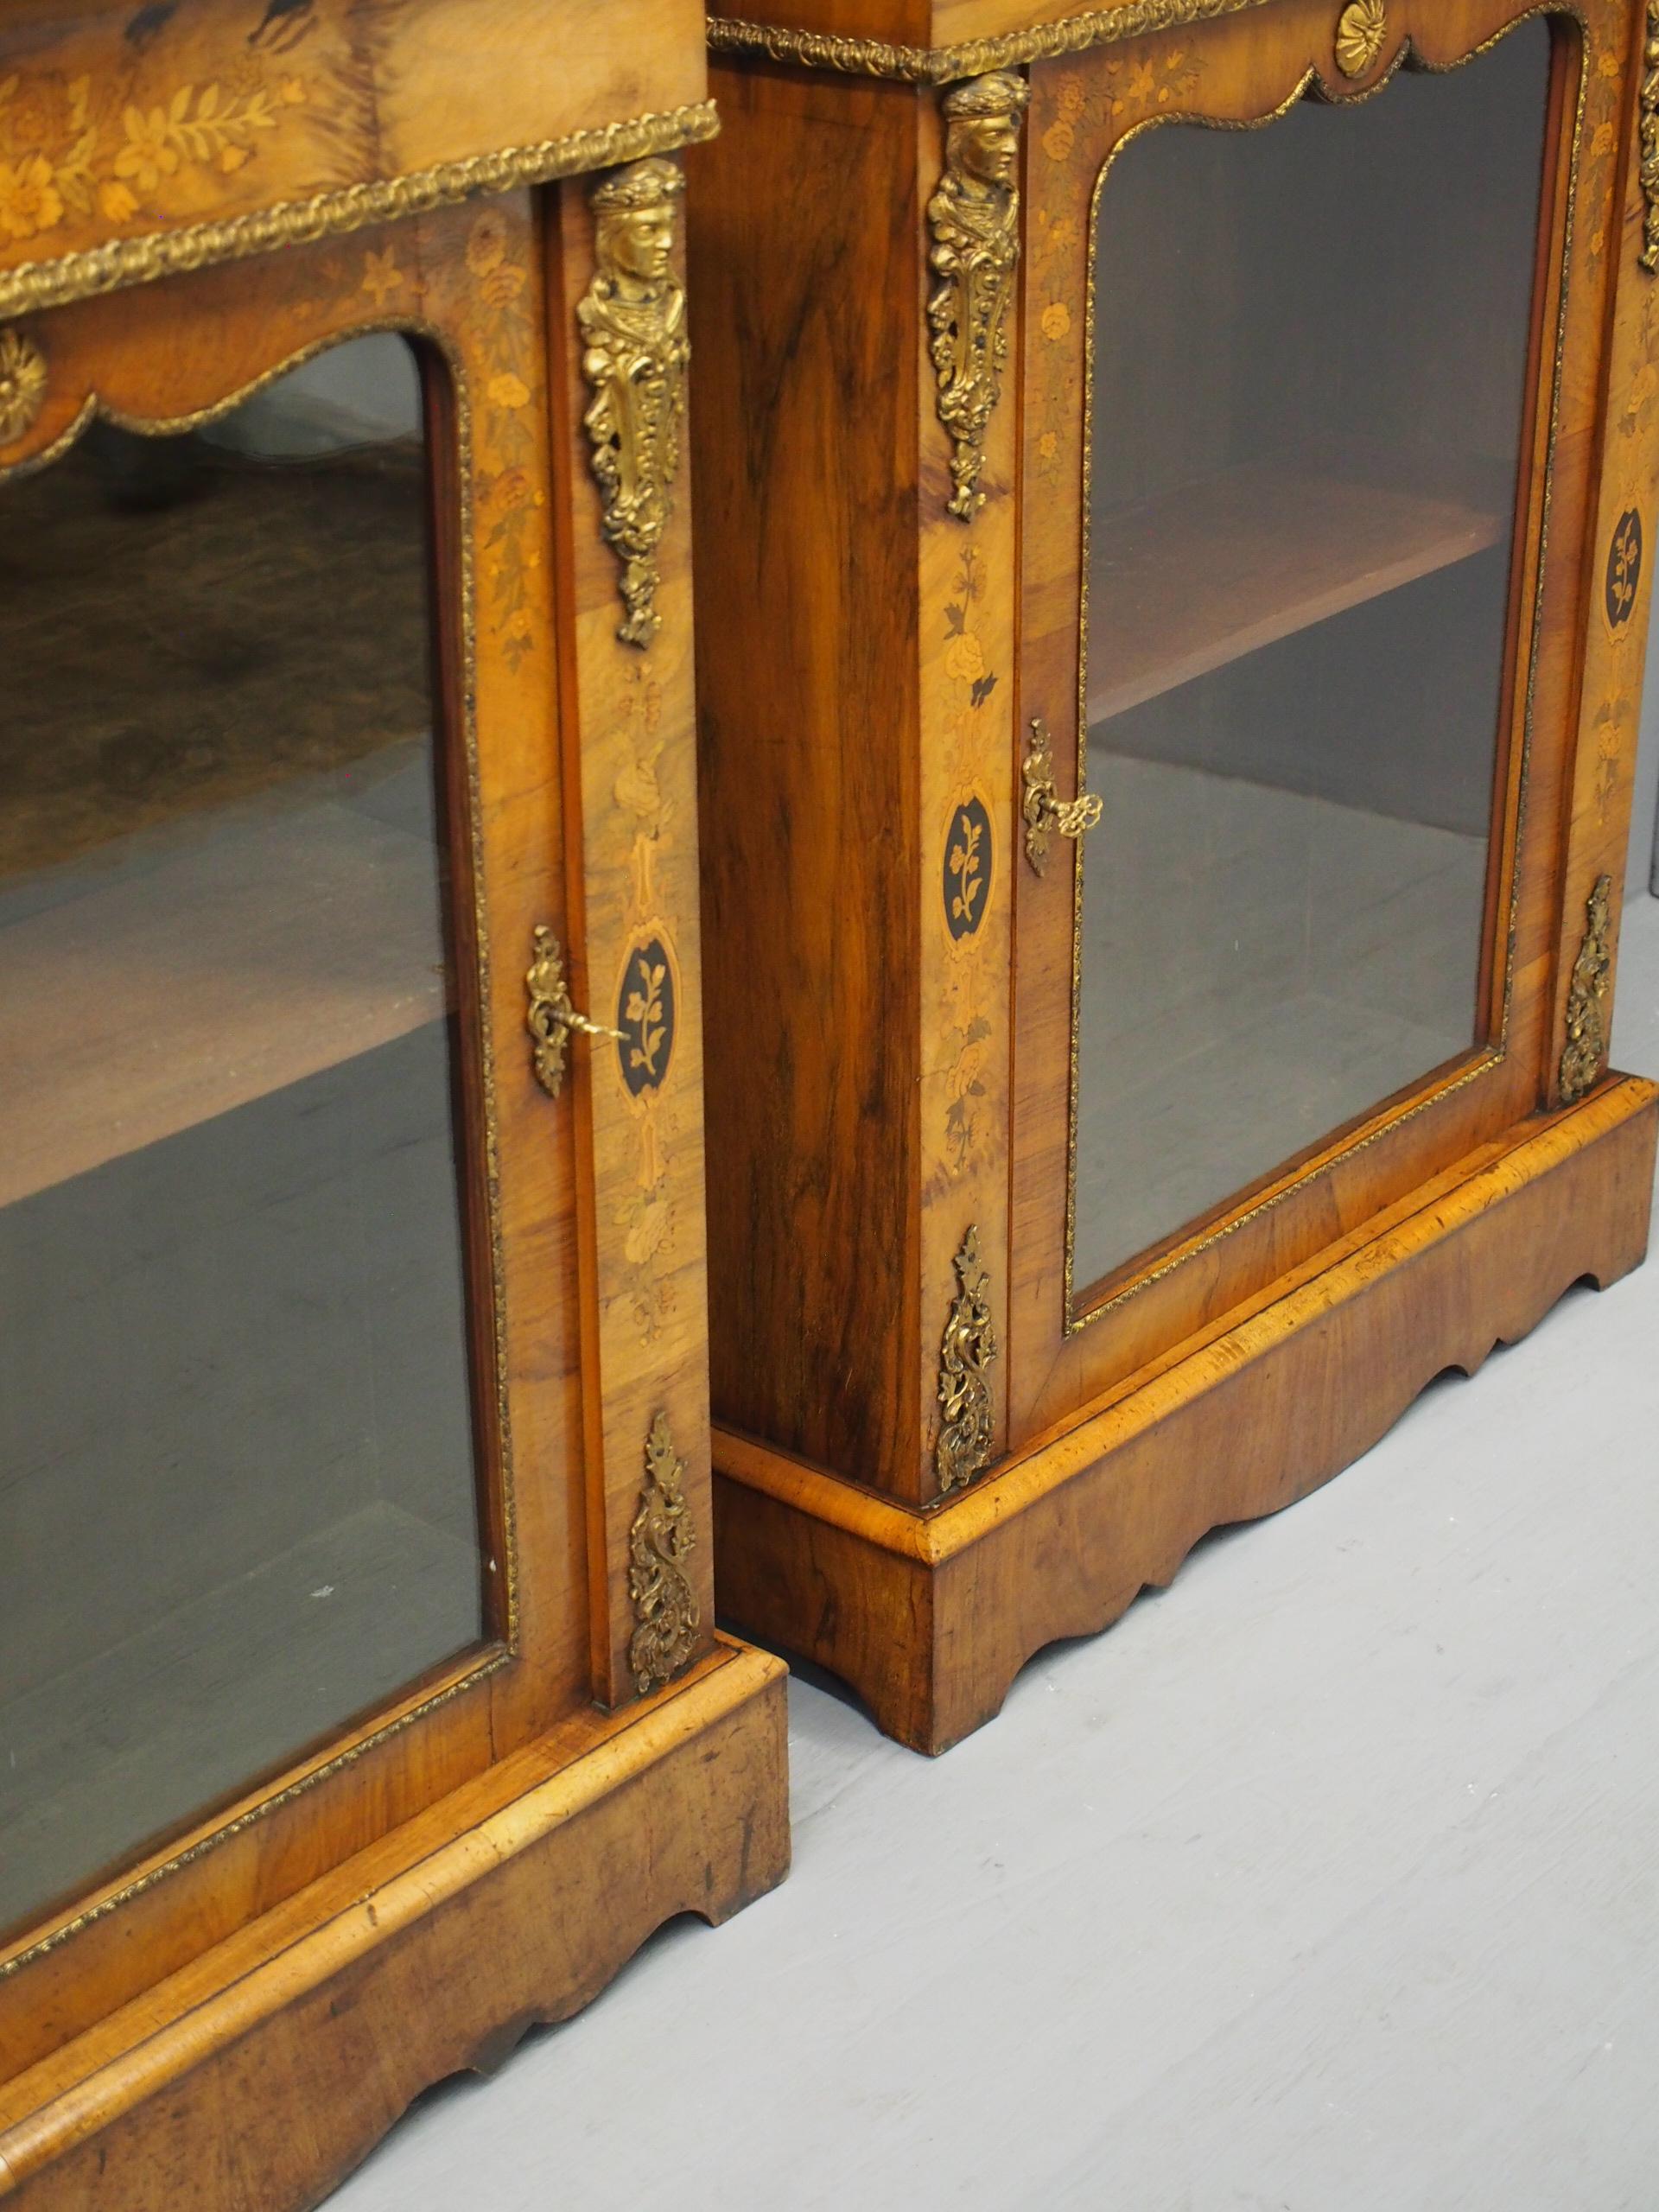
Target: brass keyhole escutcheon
(1045, 813)
(551, 1017)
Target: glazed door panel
(1292, 314)
(236, 1373)
(291, 1479)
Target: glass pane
(237, 1497)
(1310, 348)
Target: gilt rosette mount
(967, 1438)
(634, 357)
(661, 1540)
(22, 384)
(1362, 28)
(973, 217)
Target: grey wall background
(1644, 870)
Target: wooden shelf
(1181, 586)
(140, 1006)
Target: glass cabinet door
(239, 1488)
(1307, 414)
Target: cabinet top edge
(1032, 31)
(1024, 42)
(133, 149)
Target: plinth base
(254, 2079)
(930, 1615)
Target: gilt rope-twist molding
(635, 359)
(942, 64)
(109, 267)
(973, 217)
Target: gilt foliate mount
(967, 1429)
(634, 357)
(1649, 156)
(974, 218)
(1586, 1055)
(661, 1540)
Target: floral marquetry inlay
(645, 1017)
(1623, 572)
(74, 145)
(969, 860)
(510, 493)
(967, 868)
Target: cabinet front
(298, 1351)
(1312, 311)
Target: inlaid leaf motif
(644, 1007)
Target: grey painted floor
(1328, 1881)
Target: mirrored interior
(237, 1488)
(1311, 347)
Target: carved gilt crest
(634, 356)
(974, 219)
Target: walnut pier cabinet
(360, 1701)
(1175, 490)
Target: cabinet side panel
(806, 240)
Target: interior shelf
(179, 989)
(1183, 585)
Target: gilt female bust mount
(974, 219)
(633, 331)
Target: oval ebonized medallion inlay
(967, 868)
(1623, 569)
(645, 1014)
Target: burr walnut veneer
(360, 1697)
(1175, 486)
